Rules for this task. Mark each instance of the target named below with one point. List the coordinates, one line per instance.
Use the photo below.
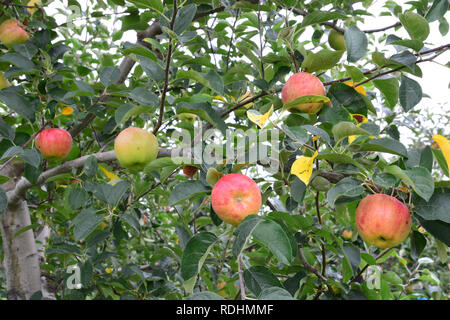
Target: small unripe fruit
(336, 40)
(189, 170)
(320, 184)
(11, 33)
(382, 220)
(212, 176)
(347, 234)
(4, 83)
(303, 84)
(135, 148)
(234, 197)
(54, 143)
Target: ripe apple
(54, 143)
(4, 83)
(336, 40)
(302, 84)
(187, 117)
(382, 220)
(234, 197)
(135, 148)
(11, 33)
(189, 170)
(347, 234)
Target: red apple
(234, 197)
(303, 84)
(189, 170)
(54, 143)
(12, 33)
(383, 220)
(135, 148)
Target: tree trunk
(21, 261)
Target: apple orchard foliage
(152, 234)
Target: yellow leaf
(259, 119)
(67, 111)
(113, 179)
(303, 167)
(315, 138)
(221, 98)
(244, 97)
(359, 89)
(444, 145)
(359, 118)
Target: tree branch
(23, 185)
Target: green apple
(336, 40)
(135, 148)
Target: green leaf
(321, 16)
(306, 99)
(423, 182)
(386, 145)
(344, 129)
(392, 277)
(416, 25)
(152, 69)
(296, 133)
(389, 88)
(443, 26)
(352, 253)
(323, 60)
(356, 43)
(185, 190)
(416, 45)
(194, 255)
(144, 96)
(90, 166)
(441, 160)
(243, 233)
(258, 278)
(276, 238)
(317, 132)
(405, 58)
(111, 194)
(109, 75)
(345, 95)
(346, 189)
(24, 106)
(275, 293)
(418, 243)
(410, 93)
(184, 17)
(438, 228)
(436, 208)
(151, 4)
(19, 61)
(298, 190)
(77, 198)
(215, 81)
(6, 131)
(437, 10)
(205, 112)
(31, 156)
(84, 223)
(205, 295)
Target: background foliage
(153, 234)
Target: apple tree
(207, 79)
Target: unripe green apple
(234, 197)
(135, 148)
(382, 220)
(4, 83)
(320, 184)
(187, 117)
(54, 143)
(336, 40)
(11, 33)
(212, 176)
(303, 84)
